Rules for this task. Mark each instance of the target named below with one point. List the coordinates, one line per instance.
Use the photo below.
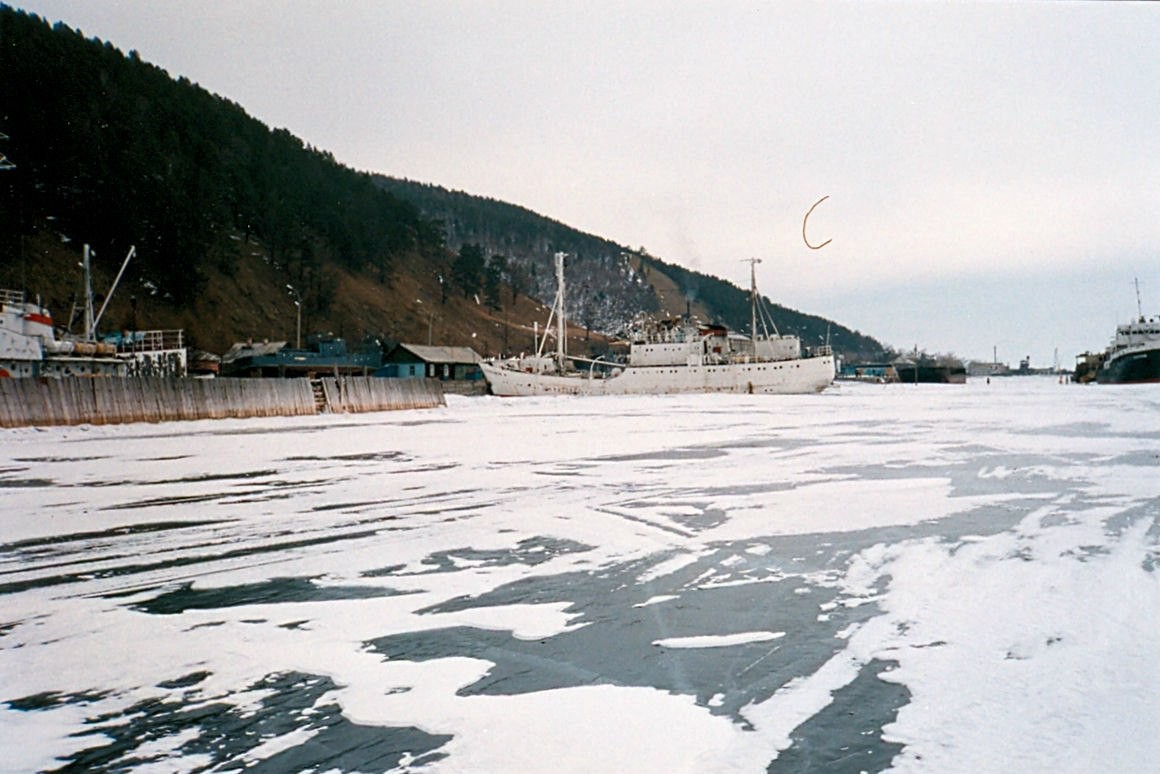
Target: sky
(993, 169)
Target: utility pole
(298, 307)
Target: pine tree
(493, 280)
(467, 269)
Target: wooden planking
(357, 394)
(110, 400)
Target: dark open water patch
(422, 422)
(59, 459)
(50, 699)
(846, 736)
(185, 681)
(362, 457)
(704, 517)
(25, 483)
(775, 442)
(1146, 458)
(760, 487)
(616, 639)
(258, 492)
(273, 591)
(356, 506)
(155, 501)
(111, 533)
(183, 561)
(616, 646)
(531, 551)
(975, 476)
(1073, 430)
(225, 733)
(666, 455)
(244, 475)
(380, 572)
(431, 467)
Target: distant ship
(669, 357)
(930, 373)
(1133, 357)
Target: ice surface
(718, 640)
(936, 578)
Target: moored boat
(30, 347)
(668, 357)
(1133, 356)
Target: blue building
(413, 361)
(323, 356)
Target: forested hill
(111, 151)
(234, 222)
(597, 265)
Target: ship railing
(13, 297)
(822, 350)
(152, 341)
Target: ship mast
(561, 325)
(90, 322)
(752, 296)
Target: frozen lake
(907, 577)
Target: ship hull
(62, 367)
(1131, 368)
(787, 377)
(908, 374)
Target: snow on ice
(907, 577)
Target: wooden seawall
(103, 401)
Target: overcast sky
(993, 168)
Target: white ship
(29, 346)
(669, 357)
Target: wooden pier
(110, 400)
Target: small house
(450, 365)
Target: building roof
(243, 349)
(442, 354)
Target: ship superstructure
(668, 356)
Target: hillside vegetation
(233, 222)
(608, 282)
